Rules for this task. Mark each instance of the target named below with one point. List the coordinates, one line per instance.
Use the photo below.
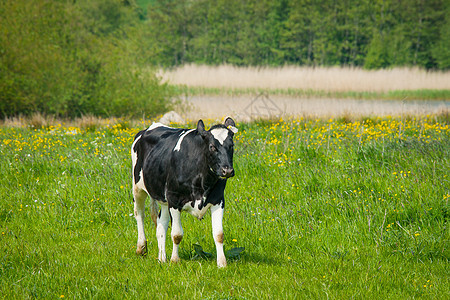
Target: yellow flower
(234, 240)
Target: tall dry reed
(318, 78)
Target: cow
(182, 170)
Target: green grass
(324, 208)
(422, 94)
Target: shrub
(71, 59)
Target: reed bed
(336, 79)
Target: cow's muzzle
(227, 172)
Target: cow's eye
(212, 148)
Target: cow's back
(154, 148)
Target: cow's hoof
(141, 249)
(162, 261)
(162, 257)
(175, 260)
(221, 262)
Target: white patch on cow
(156, 125)
(195, 211)
(161, 230)
(139, 213)
(176, 234)
(134, 153)
(178, 145)
(217, 229)
(134, 156)
(220, 134)
(140, 184)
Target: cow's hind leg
(161, 231)
(176, 234)
(139, 214)
(217, 229)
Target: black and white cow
(182, 170)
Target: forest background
(72, 58)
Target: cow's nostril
(224, 171)
(227, 172)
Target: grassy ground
(324, 208)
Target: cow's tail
(153, 210)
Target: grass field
(324, 208)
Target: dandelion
(234, 240)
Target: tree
(368, 33)
(69, 59)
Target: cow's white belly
(195, 211)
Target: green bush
(71, 59)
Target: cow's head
(219, 144)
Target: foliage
(74, 58)
(372, 34)
(441, 49)
(324, 208)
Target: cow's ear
(201, 127)
(230, 124)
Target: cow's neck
(209, 181)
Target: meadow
(325, 208)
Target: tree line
(361, 33)
(75, 57)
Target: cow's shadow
(239, 256)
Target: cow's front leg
(217, 229)
(139, 214)
(177, 233)
(161, 231)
